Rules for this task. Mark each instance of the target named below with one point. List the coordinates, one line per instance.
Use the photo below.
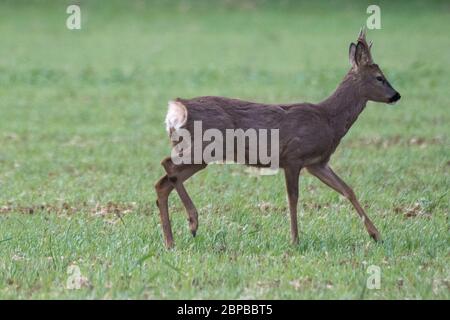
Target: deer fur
(308, 134)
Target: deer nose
(395, 97)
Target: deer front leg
(327, 176)
(291, 175)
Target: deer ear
(362, 56)
(351, 54)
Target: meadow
(82, 135)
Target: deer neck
(344, 105)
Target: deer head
(371, 81)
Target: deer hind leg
(291, 175)
(327, 176)
(176, 175)
(163, 188)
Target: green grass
(81, 137)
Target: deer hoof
(169, 244)
(193, 226)
(376, 237)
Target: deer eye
(380, 79)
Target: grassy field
(82, 135)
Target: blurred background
(97, 96)
(81, 128)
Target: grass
(81, 137)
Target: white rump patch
(176, 116)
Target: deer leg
(177, 174)
(163, 188)
(327, 176)
(291, 176)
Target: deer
(308, 135)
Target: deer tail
(176, 116)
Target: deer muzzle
(395, 98)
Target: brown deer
(308, 134)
